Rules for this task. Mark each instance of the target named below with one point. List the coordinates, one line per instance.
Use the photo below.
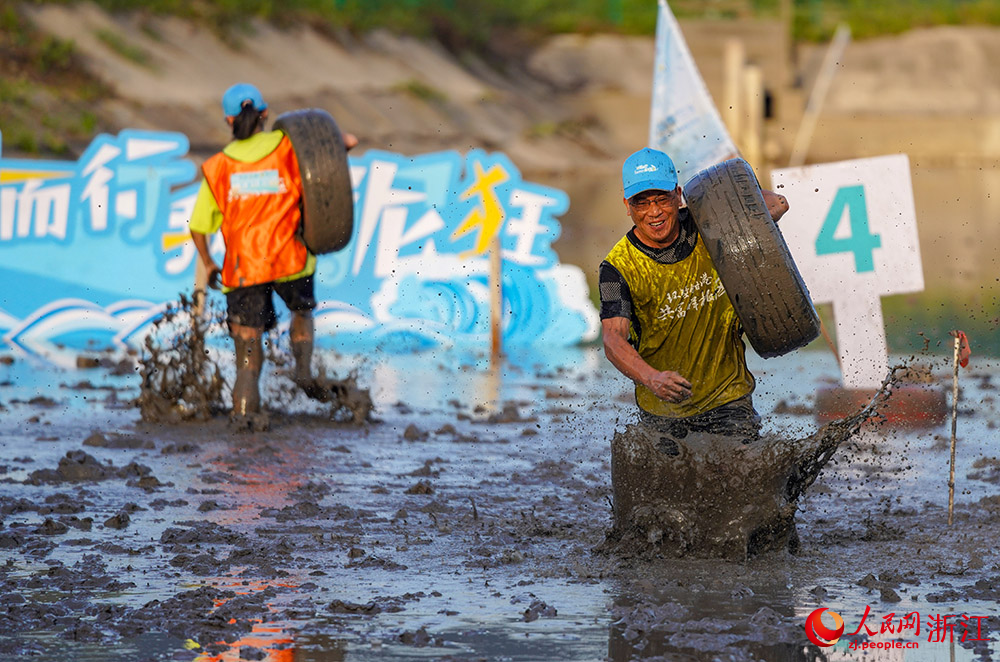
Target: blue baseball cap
(232, 100)
(648, 170)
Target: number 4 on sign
(861, 241)
(851, 262)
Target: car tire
(327, 194)
(751, 258)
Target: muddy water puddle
(461, 524)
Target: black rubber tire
(752, 258)
(328, 199)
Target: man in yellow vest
(667, 322)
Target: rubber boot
(249, 361)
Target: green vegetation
(567, 128)
(421, 91)
(817, 19)
(910, 318)
(129, 51)
(44, 94)
(54, 53)
(474, 24)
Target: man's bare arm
(666, 385)
(201, 243)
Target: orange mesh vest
(259, 202)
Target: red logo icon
(818, 633)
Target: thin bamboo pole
(954, 428)
(815, 104)
(200, 287)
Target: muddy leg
(302, 333)
(249, 361)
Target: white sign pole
(861, 344)
(852, 230)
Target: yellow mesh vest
(687, 325)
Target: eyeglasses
(661, 201)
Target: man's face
(655, 216)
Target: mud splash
(182, 379)
(716, 496)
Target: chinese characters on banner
(96, 249)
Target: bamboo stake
(954, 427)
(815, 104)
(200, 287)
(829, 343)
(732, 99)
(496, 301)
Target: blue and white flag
(684, 121)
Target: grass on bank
(45, 96)
(472, 24)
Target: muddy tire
(751, 258)
(327, 196)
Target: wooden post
(753, 125)
(200, 287)
(496, 300)
(954, 428)
(732, 98)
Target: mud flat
(463, 522)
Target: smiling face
(655, 215)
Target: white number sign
(852, 230)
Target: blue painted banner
(92, 252)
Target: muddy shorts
(733, 419)
(254, 306)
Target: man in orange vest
(251, 193)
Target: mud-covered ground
(462, 524)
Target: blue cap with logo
(232, 100)
(648, 170)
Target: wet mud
(718, 496)
(465, 519)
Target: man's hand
(665, 384)
(776, 203)
(214, 275)
(668, 385)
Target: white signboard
(852, 230)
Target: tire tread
(751, 258)
(327, 194)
